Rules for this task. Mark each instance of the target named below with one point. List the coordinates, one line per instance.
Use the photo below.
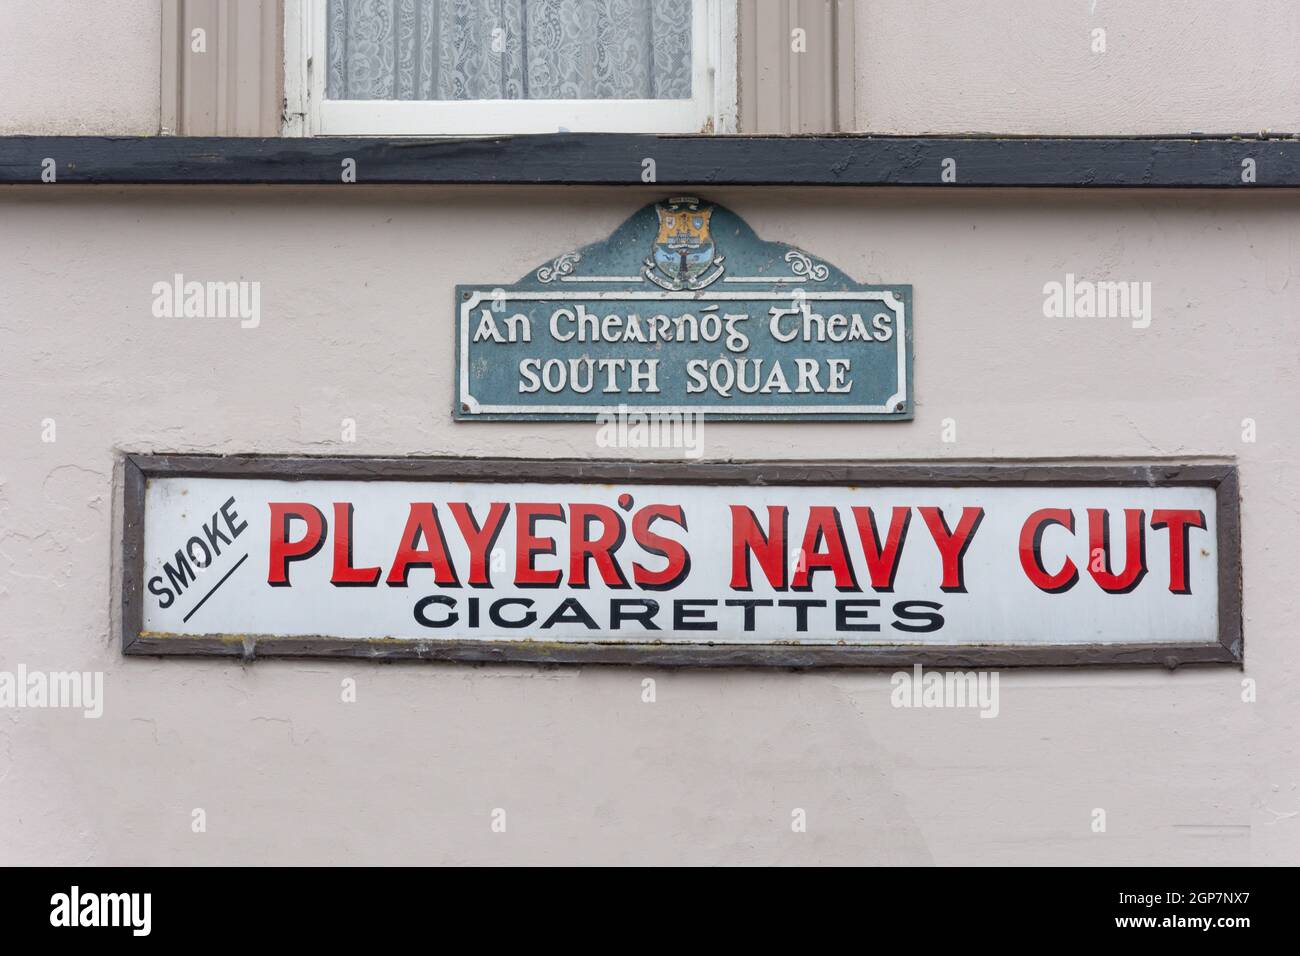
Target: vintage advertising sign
(772, 563)
(683, 309)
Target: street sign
(684, 310)
(771, 563)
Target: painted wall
(1025, 66)
(72, 67)
(939, 66)
(355, 290)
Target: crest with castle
(684, 255)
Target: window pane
(508, 49)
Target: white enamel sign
(581, 563)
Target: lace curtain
(508, 49)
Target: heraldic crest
(684, 255)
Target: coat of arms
(684, 255)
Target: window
(467, 67)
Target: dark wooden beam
(616, 159)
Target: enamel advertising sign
(684, 310)
(765, 563)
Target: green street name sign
(683, 309)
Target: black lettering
(189, 552)
(231, 517)
(903, 610)
(620, 610)
(165, 594)
(846, 612)
(749, 604)
(180, 576)
(687, 616)
(423, 604)
(215, 534)
(801, 607)
(494, 613)
(570, 611)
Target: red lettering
(679, 559)
(823, 525)
(528, 544)
(1031, 550)
(480, 539)
(282, 550)
(952, 545)
(1135, 551)
(747, 537)
(582, 549)
(882, 561)
(1180, 523)
(422, 525)
(345, 575)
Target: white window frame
(711, 109)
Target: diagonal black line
(214, 588)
